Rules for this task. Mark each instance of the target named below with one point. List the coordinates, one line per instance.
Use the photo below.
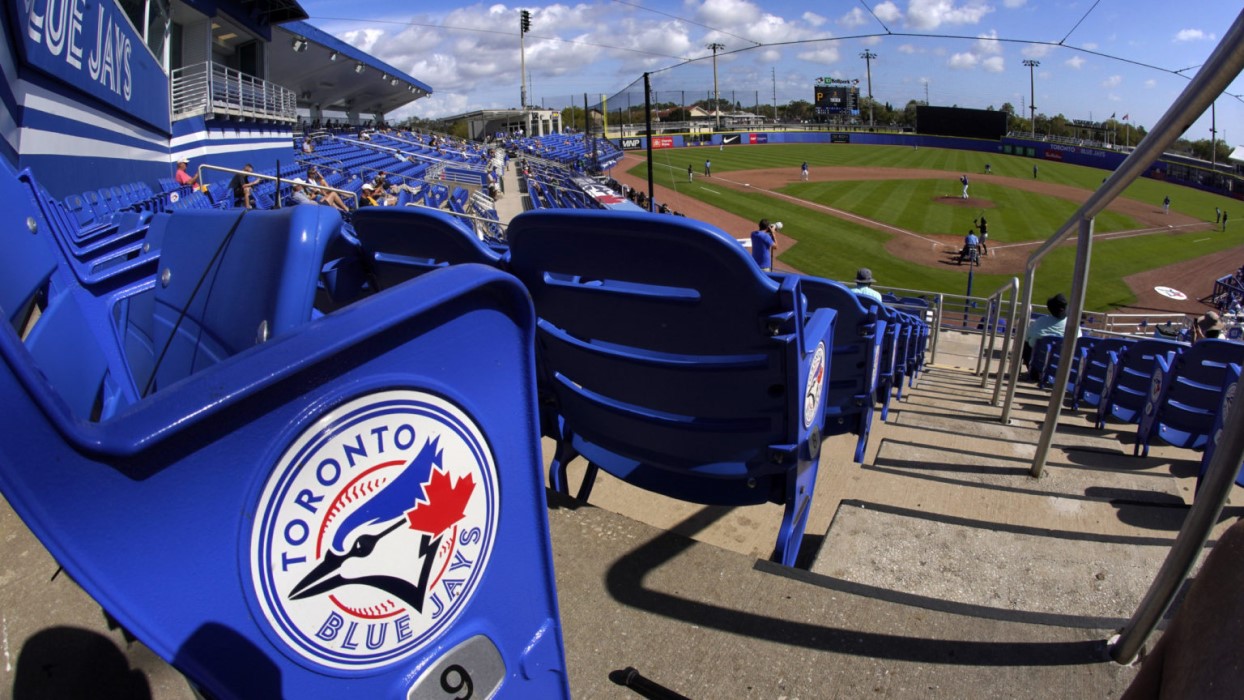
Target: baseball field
(900, 211)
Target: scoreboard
(833, 96)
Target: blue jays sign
(90, 45)
(374, 530)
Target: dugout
(958, 121)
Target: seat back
(854, 362)
(672, 361)
(390, 432)
(400, 243)
(230, 280)
(1127, 381)
(1091, 376)
(1185, 395)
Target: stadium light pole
(868, 57)
(715, 47)
(1032, 63)
(524, 24)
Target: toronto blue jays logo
(815, 388)
(374, 529)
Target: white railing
(211, 89)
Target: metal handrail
(1215, 75)
(276, 178)
(991, 331)
(213, 88)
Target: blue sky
(964, 52)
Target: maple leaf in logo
(446, 503)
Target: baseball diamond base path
(1194, 277)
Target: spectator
(240, 186)
(1052, 325)
(863, 284)
(299, 195)
(1209, 326)
(764, 245)
(319, 191)
(183, 178)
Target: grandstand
(549, 441)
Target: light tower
(524, 26)
(868, 57)
(715, 47)
(1032, 63)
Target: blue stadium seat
(400, 243)
(352, 509)
(1091, 373)
(1185, 394)
(672, 362)
(1226, 398)
(891, 361)
(1128, 375)
(855, 359)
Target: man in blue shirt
(863, 284)
(1054, 324)
(764, 245)
(970, 241)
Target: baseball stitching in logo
(374, 529)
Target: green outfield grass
(918, 205)
(831, 247)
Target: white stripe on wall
(39, 142)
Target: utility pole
(524, 25)
(1032, 63)
(715, 47)
(1213, 136)
(926, 91)
(868, 57)
(773, 74)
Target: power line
(1077, 24)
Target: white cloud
(908, 49)
(1074, 62)
(870, 40)
(1014, 3)
(1090, 45)
(1035, 50)
(994, 64)
(363, 39)
(823, 56)
(813, 19)
(963, 61)
(855, 18)
(888, 12)
(1194, 35)
(1112, 82)
(931, 14)
(988, 42)
(1151, 83)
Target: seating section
(635, 354)
(1185, 394)
(250, 371)
(1127, 381)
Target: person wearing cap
(367, 198)
(764, 245)
(184, 178)
(299, 194)
(1054, 324)
(1209, 326)
(863, 284)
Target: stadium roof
(328, 72)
